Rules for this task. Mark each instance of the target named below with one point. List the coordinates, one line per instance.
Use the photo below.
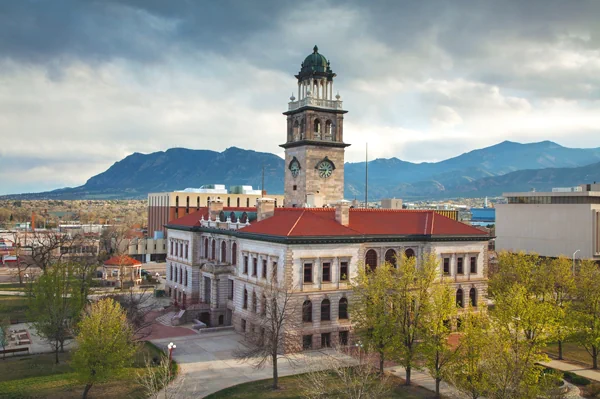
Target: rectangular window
(344, 271)
(326, 340)
(246, 264)
(186, 251)
(185, 282)
(473, 264)
(459, 266)
(243, 325)
(230, 293)
(264, 268)
(274, 271)
(326, 271)
(306, 342)
(308, 273)
(446, 265)
(254, 266)
(344, 338)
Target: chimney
(265, 208)
(32, 221)
(214, 208)
(342, 212)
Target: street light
(171, 346)
(574, 261)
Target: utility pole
(366, 175)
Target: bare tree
(158, 379)
(137, 306)
(341, 376)
(276, 328)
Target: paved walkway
(207, 363)
(574, 368)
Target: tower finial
(315, 49)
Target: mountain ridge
(483, 171)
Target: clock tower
(314, 150)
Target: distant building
(483, 216)
(168, 206)
(391, 203)
(122, 268)
(551, 223)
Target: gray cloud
(84, 83)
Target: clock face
(295, 167)
(325, 168)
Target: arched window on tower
(317, 129)
(296, 131)
(223, 252)
(473, 297)
(459, 298)
(228, 202)
(325, 310)
(238, 202)
(390, 257)
(371, 260)
(307, 311)
(187, 204)
(343, 309)
(328, 129)
(197, 203)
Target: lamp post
(171, 347)
(574, 261)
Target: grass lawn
(291, 388)
(13, 287)
(571, 351)
(13, 308)
(37, 376)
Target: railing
(315, 102)
(226, 225)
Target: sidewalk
(424, 380)
(574, 368)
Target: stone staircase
(166, 319)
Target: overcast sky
(85, 83)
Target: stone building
(220, 260)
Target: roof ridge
(297, 220)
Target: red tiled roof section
(311, 222)
(122, 260)
(193, 219)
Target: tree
(4, 327)
(157, 378)
(411, 301)
(467, 374)
(371, 309)
(587, 309)
(55, 302)
(275, 330)
(104, 343)
(137, 306)
(339, 376)
(561, 288)
(436, 331)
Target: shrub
(593, 390)
(576, 379)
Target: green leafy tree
(371, 309)
(104, 343)
(587, 309)
(437, 351)
(560, 289)
(411, 304)
(467, 373)
(55, 302)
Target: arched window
(245, 304)
(177, 201)
(238, 202)
(223, 252)
(459, 298)
(254, 302)
(213, 252)
(247, 203)
(307, 311)
(473, 297)
(232, 217)
(187, 204)
(234, 254)
(343, 309)
(207, 201)
(325, 310)
(328, 127)
(317, 126)
(295, 131)
(228, 202)
(244, 217)
(222, 217)
(371, 259)
(206, 248)
(197, 203)
(390, 257)
(409, 253)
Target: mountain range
(490, 171)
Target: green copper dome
(315, 64)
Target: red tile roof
(316, 222)
(122, 260)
